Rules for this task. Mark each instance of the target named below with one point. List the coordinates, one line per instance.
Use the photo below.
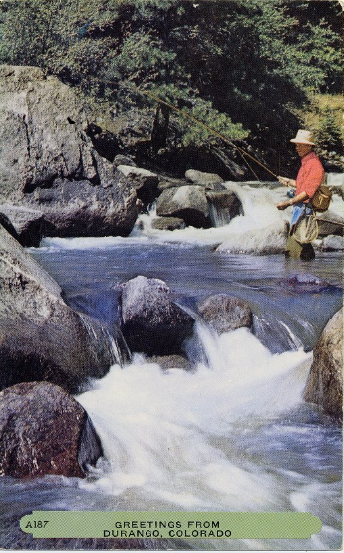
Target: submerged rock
(41, 338)
(305, 282)
(171, 362)
(44, 430)
(168, 223)
(224, 313)
(151, 322)
(325, 381)
(185, 202)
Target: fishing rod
(208, 128)
(329, 221)
(242, 152)
(216, 133)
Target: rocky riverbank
(58, 178)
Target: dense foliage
(244, 67)
(329, 137)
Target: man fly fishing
(308, 180)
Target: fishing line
(210, 129)
(242, 152)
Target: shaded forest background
(254, 70)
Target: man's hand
(286, 182)
(283, 205)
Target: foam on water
(167, 435)
(261, 229)
(260, 216)
(259, 205)
(179, 440)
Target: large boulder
(7, 225)
(325, 381)
(332, 243)
(44, 430)
(186, 202)
(225, 313)
(77, 208)
(330, 223)
(41, 338)
(46, 147)
(41, 132)
(223, 206)
(151, 322)
(143, 181)
(202, 178)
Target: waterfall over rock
(223, 206)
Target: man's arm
(287, 182)
(299, 198)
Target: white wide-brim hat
(303, 137)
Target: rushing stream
(233, 435)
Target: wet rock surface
(44, 430)
(224, 313)
(151, 322)
(41, 337)
(325, 381)
(223, 206)
(171, 362)
(260, 241)
(168, 223)
(185, 202)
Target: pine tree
(329, 136)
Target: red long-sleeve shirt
(310, 175)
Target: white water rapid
(172, 438)
(250, 232)
(260, 230)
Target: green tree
(329, 136)
(236, 64)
